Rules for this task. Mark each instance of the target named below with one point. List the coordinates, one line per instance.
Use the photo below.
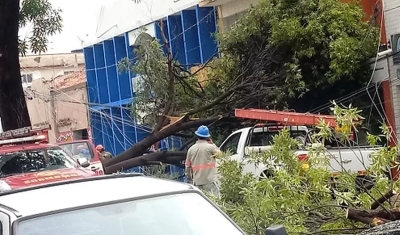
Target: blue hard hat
(203, 132)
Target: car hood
(45, 177)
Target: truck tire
(364, 183)
(265, 175)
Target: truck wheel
(265, 175)
(364, 183)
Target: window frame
(5, 223)
(239, 134)
(26, 77)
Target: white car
(121, 204)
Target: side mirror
(276, 230)
(83, 162)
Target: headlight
(4, 186)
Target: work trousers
(210, 188)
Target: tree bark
(382, 199)
(172, 157)
(373, 217)
(13, 109)
(139, 148)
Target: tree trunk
(373, 217)
(13, 110)
(139, 148)
(172, 157)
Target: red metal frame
(26, 132)
(285, 118)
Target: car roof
(98, 189)
(24, 147)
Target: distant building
(62, 103)
(49, 66)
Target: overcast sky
(79, 20)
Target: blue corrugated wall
(110, 93)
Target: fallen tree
(310, 202)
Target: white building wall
(236, 6)
(122, 16)
(392, 23)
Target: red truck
(79, 149)
(27, 159)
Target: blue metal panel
(111, 68)
(101, 74)
(91, 83)
(118, 130)
(129, 125)
(191, 37)
(206, 29)
(162, 34)
(123, 76)
(89, 57)
(108, 136)
(176, 38)
(97, 132)
(132, 58)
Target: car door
(231, 145)
(4, 224)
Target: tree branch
(139, 148)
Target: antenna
(81, 40)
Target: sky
(79, 20)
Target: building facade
(61, 102)
(392, 22)
(189, 30)
(49, 66)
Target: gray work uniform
(201, 159)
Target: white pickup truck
(258, 139)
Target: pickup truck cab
(118, 204)
(84, 149)
(250, 140)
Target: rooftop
(99, 189)
(51, 60)
(70, 80)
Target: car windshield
(77, 150)
(180, 214)
(34, 160)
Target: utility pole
(53, 113)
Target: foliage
(316, 45)
(159, 171)
(302, 198)
(154, 94)
(43, 20)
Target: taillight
(302, 157)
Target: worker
(103, 155)
(200, 165)
(84, 152)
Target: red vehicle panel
(73, 148)
(44, 177)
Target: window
(179, 214)
(77, 150)
(33, 161)
(231, 144)
(68, 72)
(266, 138)
(27, 78)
